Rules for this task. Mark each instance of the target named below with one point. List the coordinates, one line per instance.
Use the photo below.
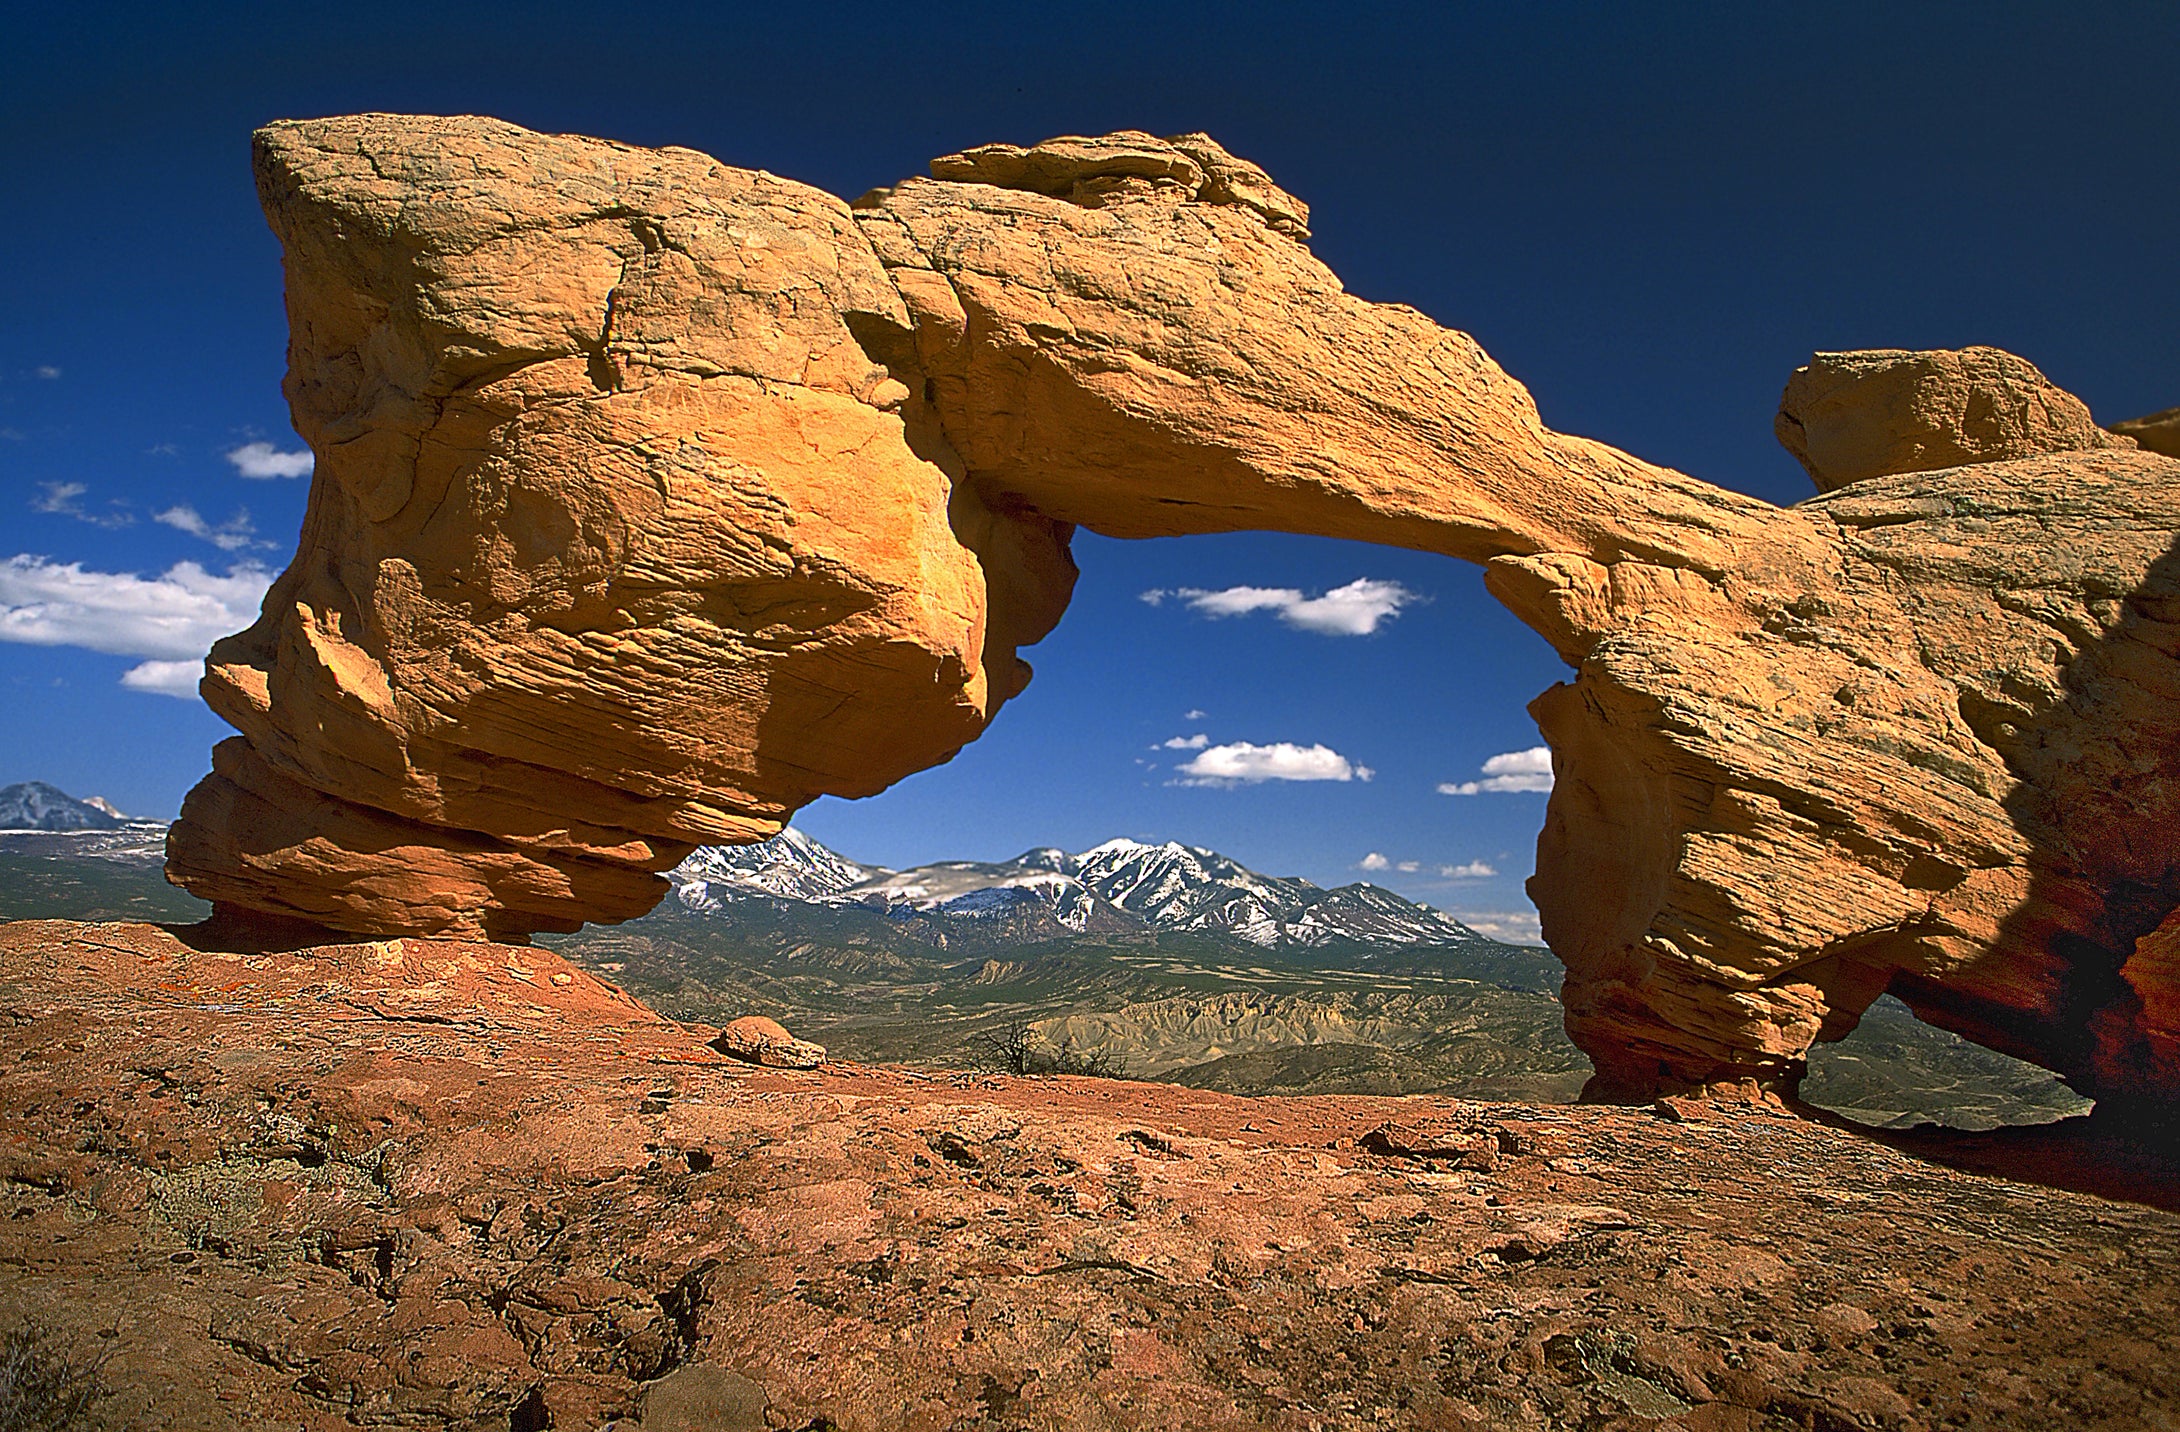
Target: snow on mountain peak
(789, 866)
(34, 805)
(1118, 845)
(1167, 886)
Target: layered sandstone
(657, 498)
(619, 539)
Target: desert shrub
(44, 1386)
(1017, 1049)
(1010, 1049)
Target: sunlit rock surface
(657, 498)
(2158, 432)
(1847, 416)
(449, 1185)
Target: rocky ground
(436, 1184)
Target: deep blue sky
(1650, 214)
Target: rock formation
(2159, 432)
(619, 540)
(1848, 416)
(657, 498)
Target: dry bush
(1016, 1049)
(45, 1386)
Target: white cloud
(1377, 861)
(1469, 870)
(1185, 743)
(265, 460)
(233, 535)
(64, 499)
(1352, 610)
(48, 372)
(1529, 770)
(1516, 927)
(165, 678)
(1194, 715)
(1240, 763)
(170, 620)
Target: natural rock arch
(657, 498)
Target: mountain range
(34, 805)
(1121, 885)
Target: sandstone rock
(1848, 416)
(2159, 432)
(2149, 1036)
(1159, 368)
(656, 499)
(1116, 168)
(620, 540)
(1939, 766)
(642, 517)
(766, 1041)
(280, 1193)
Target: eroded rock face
(657, 498)
(1941, 763)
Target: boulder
(1849, 416)
(766, 1041)
(657, 498)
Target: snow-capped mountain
(790, 866)
(1182, 887)
(34, 805)
(1185, 887)
(1122, 884)
(1034, 882)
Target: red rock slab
(461, 1185)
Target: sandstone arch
(656, 498)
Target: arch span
(656, 498)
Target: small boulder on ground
(765, 1041)
(699, 1397)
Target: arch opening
(1896, 1072)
